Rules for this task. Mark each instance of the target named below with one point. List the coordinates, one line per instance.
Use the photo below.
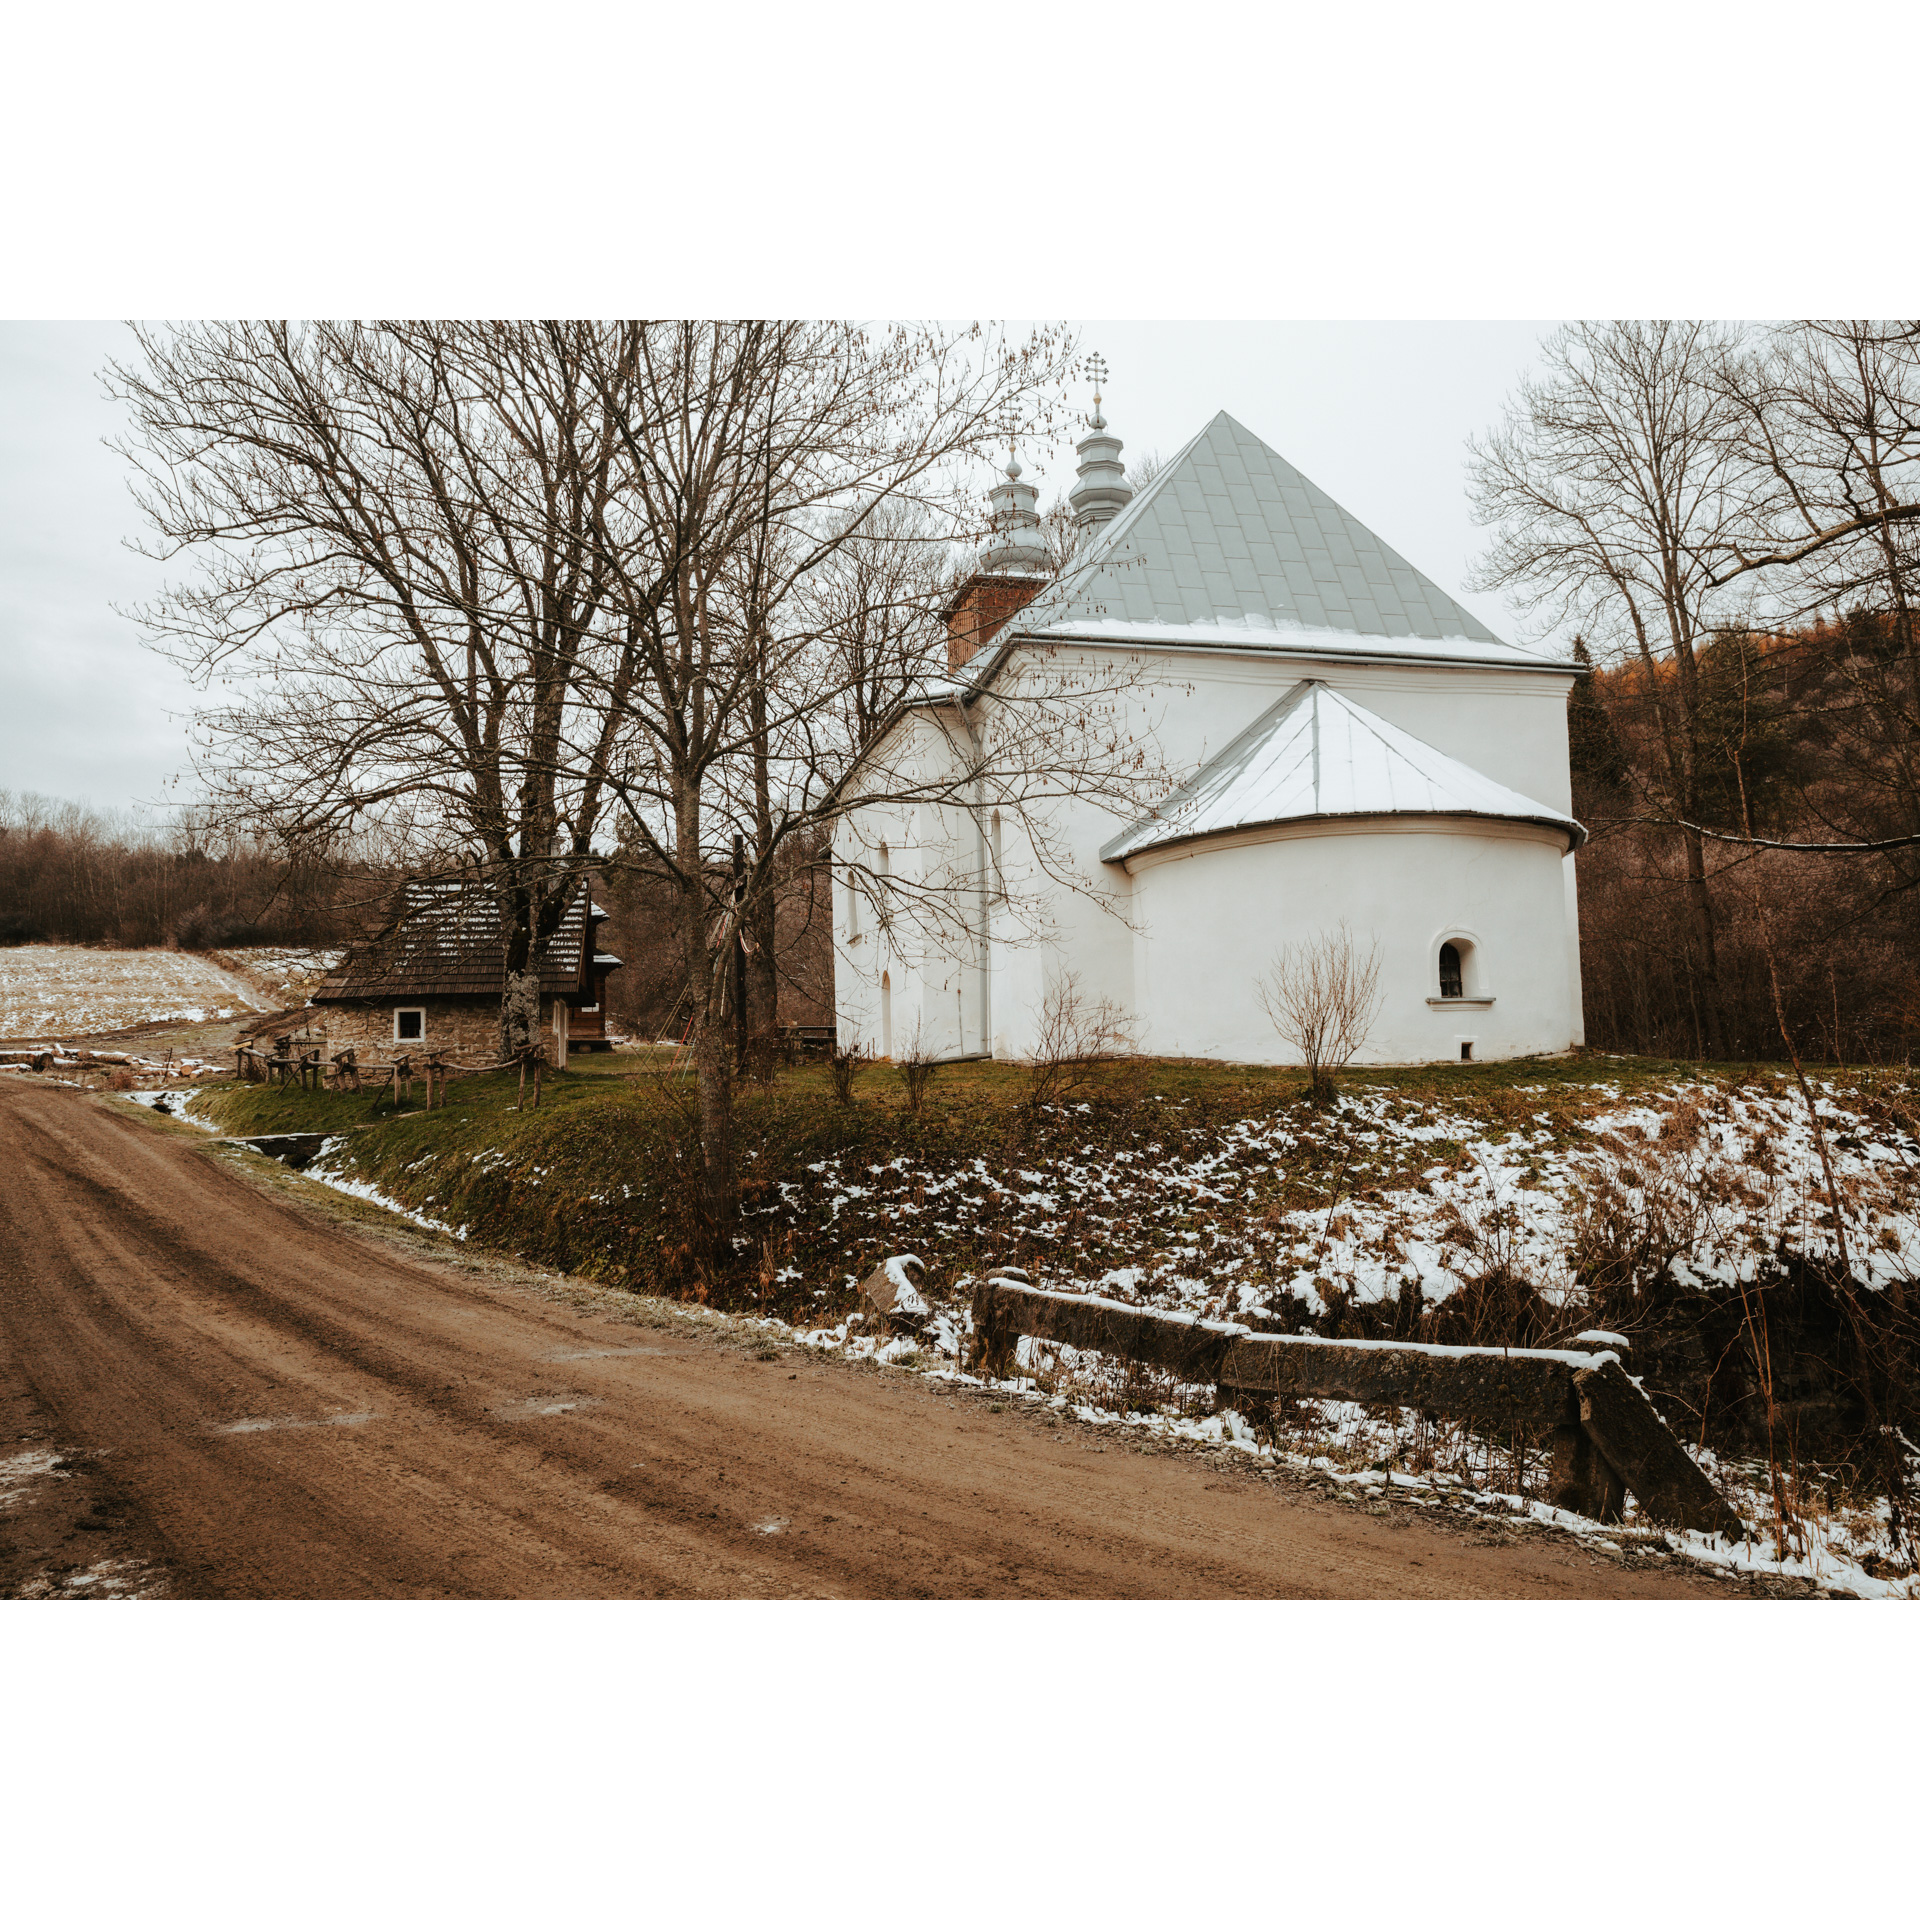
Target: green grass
(598, 1181)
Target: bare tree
(511, 593)
(1829, 420)
(1322, 995)
(403, 590)
(1613, 484)
(787, 476)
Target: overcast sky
(1374, 412)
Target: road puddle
(541, 1408)
(280, 1425)
(610, 1353)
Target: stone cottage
(434, 983)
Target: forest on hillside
(71, 874)
(1800, 743)
(1720, 520)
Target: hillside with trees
(1722, 521)
(1793, 729)
(74, 875)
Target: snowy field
(81, 990)
(289, 974)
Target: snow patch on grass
(317, 1169)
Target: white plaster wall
(925, 950)
(1510, 726)
(1042, 930)
(1212, 920)
(1124, 943)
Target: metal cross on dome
(1097, 366)
(1010, 426)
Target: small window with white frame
(1458, 978)
(409, 1023)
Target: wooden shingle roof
(448, 942)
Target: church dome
(1016, 543)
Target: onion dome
(1102, 489)
(1016, 543)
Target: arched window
(1451, 987)
(886, 1015)
(999, 859)
(883, 907)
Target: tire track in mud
(287, 1409)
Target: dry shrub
(916, 1064)
(121, 1080)
(846, 1064)
(1323, 995)
(1076, 1039)
(1631, 1217)
(1503, 1299)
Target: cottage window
(1450, 982)
(409, 1023)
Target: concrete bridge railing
(1607, 1439)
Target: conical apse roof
(1316, 755)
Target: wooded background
(1781, 716)
(1720, 521)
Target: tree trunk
(710, 974)
(1701, 900)
(519, 1011)
(763, 987)
(720, 1183)
(762, 1009)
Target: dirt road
(208, 1389)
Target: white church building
(1339, 743)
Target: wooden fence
(1606, 1437)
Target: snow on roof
(445, 939)
(1231, 544)
(1313, 755)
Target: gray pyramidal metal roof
(1232, 545)
(1314, 755)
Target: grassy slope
(590, 1183)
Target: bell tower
(1013, 566)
